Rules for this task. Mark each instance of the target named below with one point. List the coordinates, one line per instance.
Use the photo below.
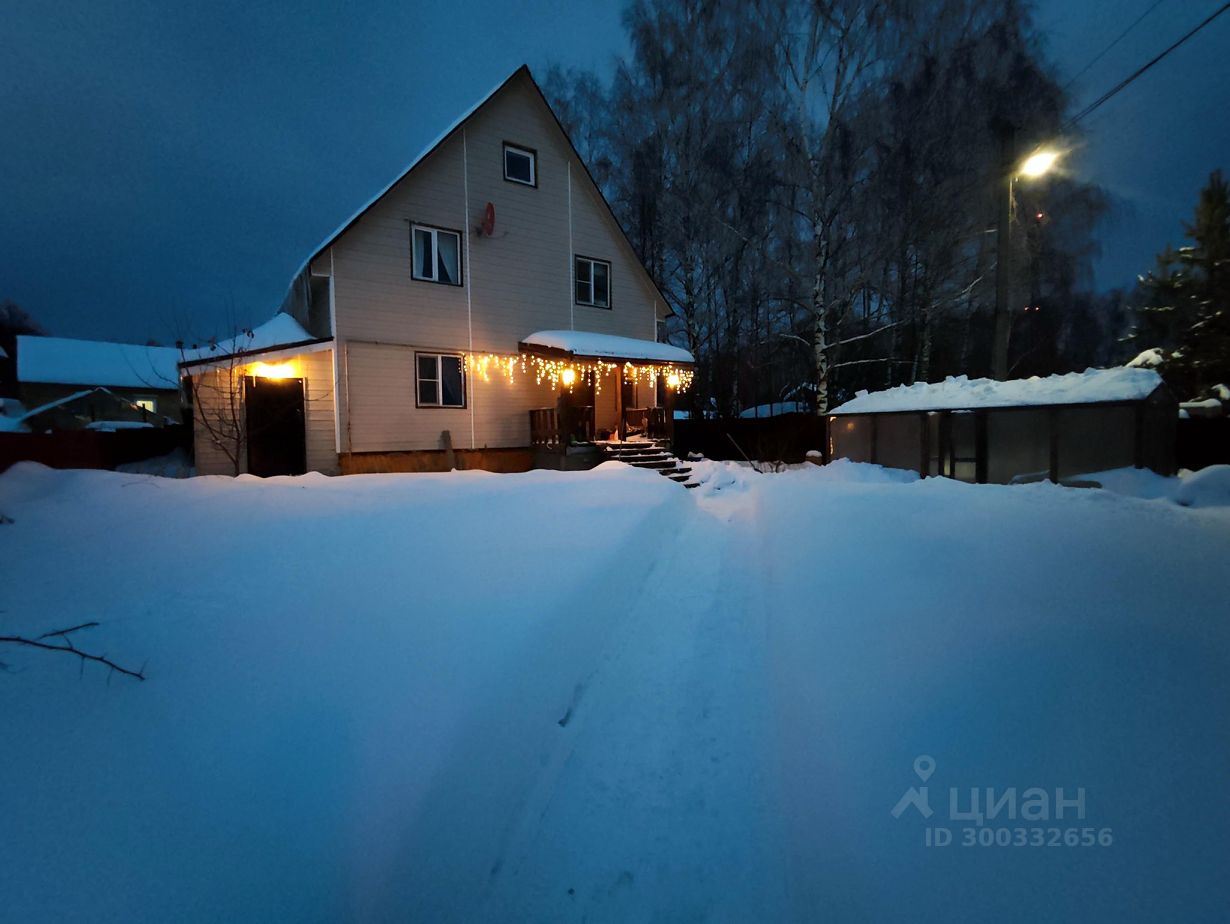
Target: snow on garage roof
(962, 393)
(62, 361)
(607, 346)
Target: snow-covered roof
(607, 346)
(279, 330)
(75, 396)
(962, 393)
(415, 161)
(62, 361)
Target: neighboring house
(982, 430)
(98, 409)
(484, 303)
(50, 369)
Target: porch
(608, 389)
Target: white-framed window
(435, 254)
(147, 404)
(593, 281)
(520, 164)
(441, 380)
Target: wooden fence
(89, 448)
(785, 438)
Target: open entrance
(275, 419)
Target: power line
(1100, 55)
(1140, 70)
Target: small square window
(520, 165)
(440, 380)
(592, 281)
(147, 404)
(435, 255)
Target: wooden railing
(544, 428)
(555, 429)
(646, 421)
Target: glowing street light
(1039, 164)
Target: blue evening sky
(165, 167)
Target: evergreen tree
(1187, 299)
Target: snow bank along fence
(1007, 444)
(784, 438)
(90, 448)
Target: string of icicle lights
(568, 372)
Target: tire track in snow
(657, 805)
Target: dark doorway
(576, 411)
(276, 441)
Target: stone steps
(650, 454)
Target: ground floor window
(441, 380)
(148, 404)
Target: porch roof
(578, 344)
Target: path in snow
(656, 804)
(356, 695)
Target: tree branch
(69, 648)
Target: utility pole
(1005, 136)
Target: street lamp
(1039, 164)
(1036, 165)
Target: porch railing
(646, 421)
(555, 429)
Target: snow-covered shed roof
(280, 330)
(582, 343)
(1093, 386)
(63, 361)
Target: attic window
(520, 165)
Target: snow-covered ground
(596, 696)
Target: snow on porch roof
(1092, 386)
(280, 330)
(581, 343)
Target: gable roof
(63, 361)
(456, 126)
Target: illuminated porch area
(607, 389)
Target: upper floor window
(436, 254)
(441, 380)
(593, 282)
(520, 165)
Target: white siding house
(416, 311)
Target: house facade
(490, 282)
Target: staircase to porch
(649, 454)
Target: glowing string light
(568, 372)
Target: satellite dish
(488, 226)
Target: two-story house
(485, 302)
